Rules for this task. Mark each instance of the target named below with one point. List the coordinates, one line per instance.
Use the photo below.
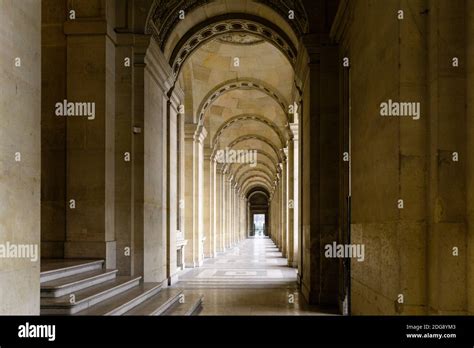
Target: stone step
(88, 297)
(55, 269)
(125, 301)
(191, 306)
(157, 304)
(67, 285)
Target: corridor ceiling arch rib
(249, 117)
(166, 26)
(230, 23)
(257, 184)
(263, 163)
(259, 138)
(241, 83)
(211, 76)
(253, 174)
(259, 178)
(259, 166)
(258, 191)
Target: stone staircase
(84, 287)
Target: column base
(193, 264)
(173, 279)
(292, 264)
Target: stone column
(200, 136)
(189, 214)
(138, 153)
(232, 213)
(236, 215)
(294, 186)
(155, 132)
(213, 244)
(90, 188)
(249, 219)
(320, 147)
(239, 215)
(244, 217)
(172, 192)
(53, 47)
(236, 212)
(218, 209)
(193, 149)
(224, 210)
(123, 145)
(446, 123)
(277, 220)
(272, 216)
(284, 205)
(292, 239)
(20, 151)
(229, 212)
(207, 201)
(275, 217)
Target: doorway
(259, 225)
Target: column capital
(225, 168)
(294, 127)
(207, 152)
(201, 133)
(195, 131)
(175, 98)
(219, 168)
(190, 130)
(312, 42)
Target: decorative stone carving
(240, 84)
(257, 137)
(300, 22)
(240, 39)
(248, 117)
(225, 26)
(164, 15)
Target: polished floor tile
(250, 279)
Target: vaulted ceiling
(234, 61)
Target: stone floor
(250, 279)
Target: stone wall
(53, 130)
(90, 143)
(408, 191)
(470, 153)
(20, 119)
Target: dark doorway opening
(259, 225)
(258, 212)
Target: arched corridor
(236, 134)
